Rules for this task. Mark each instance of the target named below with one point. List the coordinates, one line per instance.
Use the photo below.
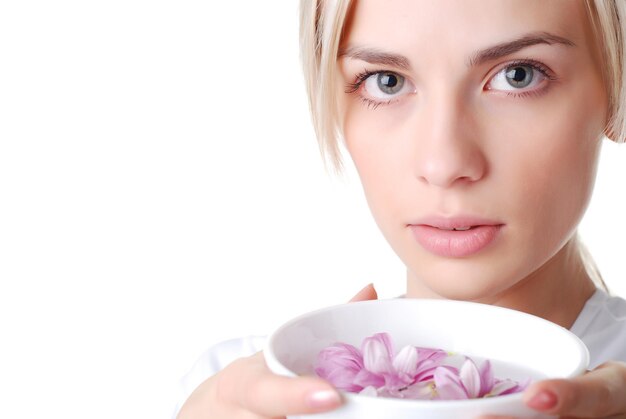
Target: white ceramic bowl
(518, 344)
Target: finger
(496, 417)
(367, 293)
(253, 387)
(599, 393)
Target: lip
(435, 235)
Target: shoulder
(215, 359)
(602, 326)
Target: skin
(453, 143)
(457, 143)
(247, 389)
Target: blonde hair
(608, 18)
(321, 28)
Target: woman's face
(475, 127)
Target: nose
(448, 150)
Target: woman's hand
(247, 389)
(600, 393)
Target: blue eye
(385, 85)
(518, 76)
(389, 83)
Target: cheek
(548, 170)
(549, 148)
(376, 145)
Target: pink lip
(434, 235)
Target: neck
(556, 292)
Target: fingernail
(543, 400)
(323, 399)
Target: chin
(464, 281)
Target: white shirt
(601, 325)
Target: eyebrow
(375, 56)
(508, 48)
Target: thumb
(367, 293)
(598, 393)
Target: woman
(475, 127)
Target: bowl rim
(278, 368)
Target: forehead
(460, 26)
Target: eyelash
(360, 78)
(535, 65)
(354, 87)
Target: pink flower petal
(486, 378)
(470, 377)
(420, 391)
(503, 387)
(448, 385)
(436, 355)
(340, 364)
(378, 354)
(405, 362)
(412, 373)
(365, 378)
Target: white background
(161, 190)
